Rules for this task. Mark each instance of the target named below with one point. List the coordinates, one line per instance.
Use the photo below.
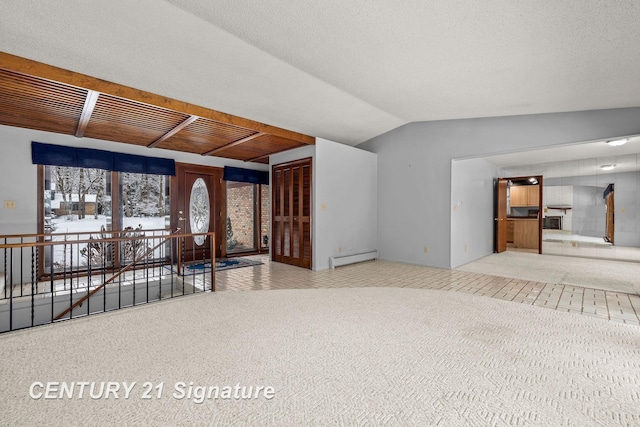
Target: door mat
(221, 265)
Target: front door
(197, 206)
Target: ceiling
(345, 71)
(37, 96)
(572, 160)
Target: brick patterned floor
(614, 306)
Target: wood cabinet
(510, 231)
(533, 195)
(524, 195)
(525, 233)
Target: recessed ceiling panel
(123, 120)
(40, 104)
(205, 135)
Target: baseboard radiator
(338, 261)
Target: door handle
(182, 219)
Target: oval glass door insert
(199, 211)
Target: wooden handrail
(109, 239)
(18, 236)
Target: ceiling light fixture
(607, 167)
(618, 142)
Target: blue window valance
(59, 155)
(245, 175)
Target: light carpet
(367, 356)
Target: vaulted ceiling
(345, 70)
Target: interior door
(501, 215)
(291, 202)
(197, 206)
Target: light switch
(9, 204)
(323, 207)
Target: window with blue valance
(246, 175)
(59, 155)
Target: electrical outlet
(465, 248)
(339, 249)
(323, 206)
(425, 249)
(9, 204)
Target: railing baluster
(146, 271)
(71, 281)
(5, 269)
(53, 297)
(88, 276)
(21, 267)
(104, 276)
(33, 314)
(134, 271)
(171, 255)
(193, 260)
(119, 277)
(10, 284)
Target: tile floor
(614, 306)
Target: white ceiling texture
(573, 160)
(346, 70)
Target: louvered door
(291, 201)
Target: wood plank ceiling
(42, 97)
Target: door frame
(219, 203)
(540, 212)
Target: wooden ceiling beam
(267, 155)
(87, 111)
(186, 122)
(234, 144)
(45, 71)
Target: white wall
(472, 210)
(414, 169)
(18, 176)
(345, 183)
(346, 208)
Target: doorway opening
(518, 214)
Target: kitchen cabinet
(510, 231)
(524, 195)
(533, 195)
(525, 233)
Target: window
(247, 217)
(76, 200)
(80, 200)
